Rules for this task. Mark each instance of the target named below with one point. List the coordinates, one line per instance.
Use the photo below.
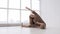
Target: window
(14, 16)
(3, 3)
(3, 16)
(14, 11)
(14, 4)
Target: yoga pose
(35, 20)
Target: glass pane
(3, 3)
(14, 16)
(3, 16)
(25, 16)
(35, 5)
(14, 4)
(25, 3)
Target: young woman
(35, 20)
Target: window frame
(8, 8)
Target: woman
(35, 20)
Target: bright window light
(25, 3)
(14, 11)
(25, 16)
(3, 16)
(3, 3)
(14, 16)
(35, 5)
(14, 4)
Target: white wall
(50, 12)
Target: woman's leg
(41, 25)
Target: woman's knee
(42, 25)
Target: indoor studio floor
(23, 30)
